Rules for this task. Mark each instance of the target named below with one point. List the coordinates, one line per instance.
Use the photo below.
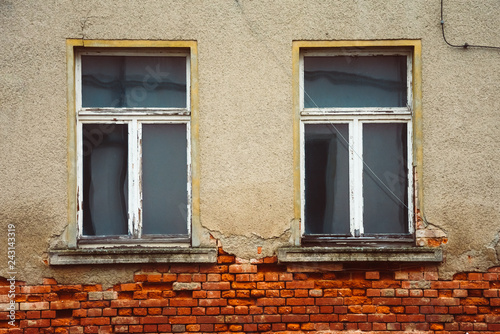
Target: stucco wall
(246, 115)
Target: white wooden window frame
(356, 118)
(134, 118)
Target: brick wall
(262, 296)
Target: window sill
(132, 255)
(360, 254)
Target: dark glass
(355, 81)
(105, 179)
(164, 179)
(327, 179)
(386, 197)
(133, 82)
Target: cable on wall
(465, 45)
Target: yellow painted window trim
(70, 236)
(416, 46)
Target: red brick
(159, 320)
(227, 277)
(475, 276)
(381, 318)
(50, 314)
(295, 318)
(217, 294)
(410, 318)
(214, 277)
(157, 277)
(216, 286)
(238, 319)
(241, 310)
(34, 306)
(324, 317)
(445, 301)
(353, 317)
(121, 303)
(212, 302)
(210, 319)
(445, 285)
(36, 289)
(243, 286)
(242, 268)
(300, 285)
(130, 286)
(35, 323)
(490, 277)
(242, 277)
(297, 293)
(300, 301)
(206, 269)
(270, 285)
(373, 292)
(387, 301)
(475, 285)
(94, 321)
(225, 259)
(401, 293)
(431, 275)
(372, 275)
(267, 318)
(416, 293)
(270, 302)
(490, 293)
(180, 302)
(379, 326)
(169, 278)
(393, 326)
(329, 301)
(199, 294)
(431, 293)
(416, 301)
(439, 318)
(125, 320)
(135, 328)
(64, 304)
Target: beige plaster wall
(246, 115)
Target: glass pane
(133, 81)
(385, 186)
(164, 179)
(355, 81)
(105, 179)
(326, 179)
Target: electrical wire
(465, 45)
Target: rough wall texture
(263, 296)
(246, 116)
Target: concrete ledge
(359, 254)
(132, 255)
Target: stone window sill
(359, 254)
(132, 255)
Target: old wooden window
(356, 144)
(133, 142)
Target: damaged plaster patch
(428, 234)
(494, 247)
(253, 246)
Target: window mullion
(356, 177)
(410, 175)
(134, 166)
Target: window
(133, 121)
(355, 120)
